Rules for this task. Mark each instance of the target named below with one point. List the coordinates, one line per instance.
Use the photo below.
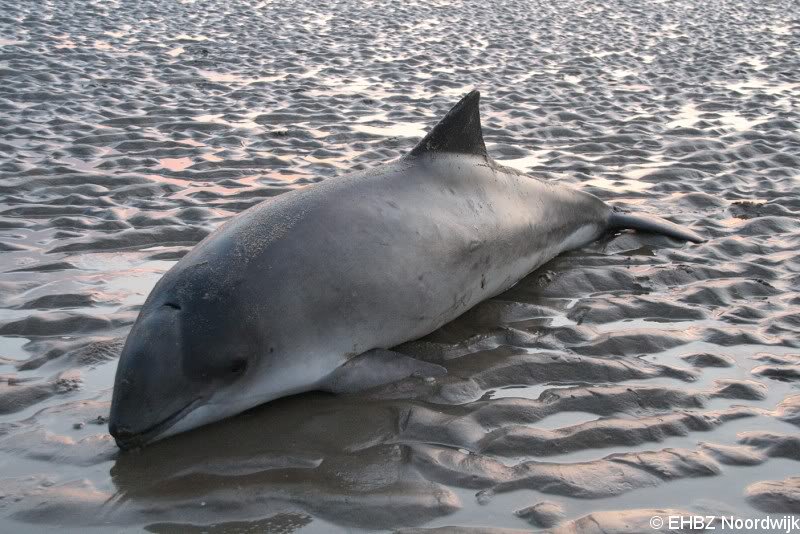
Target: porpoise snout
(151, 390)
(185, 363)
(123, 424)
(122, 435)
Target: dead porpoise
(310, 289)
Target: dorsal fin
(459, 131)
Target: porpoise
(311, 289)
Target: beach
(634, 378)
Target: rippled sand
(638, 376)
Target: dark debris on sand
(629, 380)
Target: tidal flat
(637, 377)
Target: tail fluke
(650, 223)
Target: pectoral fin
(377, 367)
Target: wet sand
(638, 376)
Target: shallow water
(636, 374)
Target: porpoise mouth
(130, 440)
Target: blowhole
(238, 366)
(172, 305)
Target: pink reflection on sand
(175, 164)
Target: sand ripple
(637, 377)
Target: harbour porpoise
(309, 290)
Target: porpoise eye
(238, 366)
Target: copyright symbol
(656, 522)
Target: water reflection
(329, 456)
(175, 164)
(282, 523)
(141, 130)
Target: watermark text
(785, 524)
